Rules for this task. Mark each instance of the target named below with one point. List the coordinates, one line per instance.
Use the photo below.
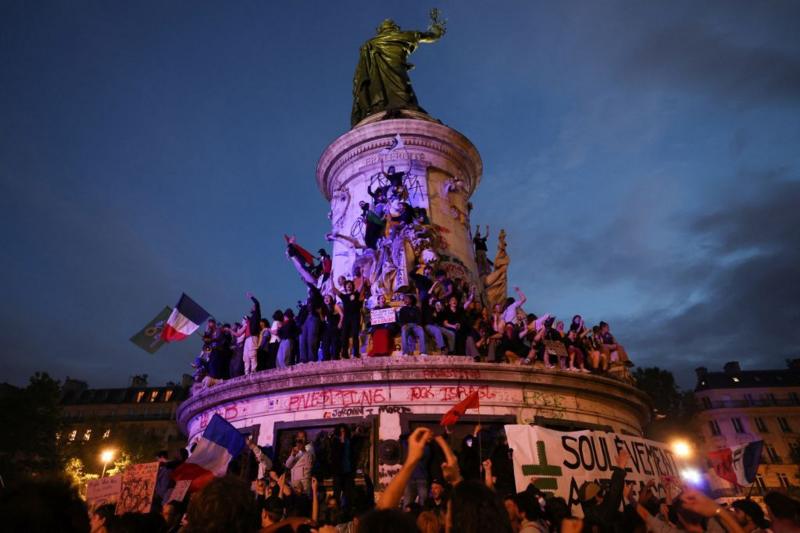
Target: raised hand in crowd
(450, 469)
(622, 458)
(488, 478)
(696, 501)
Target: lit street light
(682, 449)
(106, 456)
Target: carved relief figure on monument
(496, 282)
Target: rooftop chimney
(732, 367)
(701, 372)
(139, 380)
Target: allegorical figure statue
(381, 81)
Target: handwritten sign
(102, 491)
(381, 316)
(138, 487)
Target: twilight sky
(642, 156)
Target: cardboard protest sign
(179, 491)
(382, 316)
(560, 462)
(102, 491)
(138, 487)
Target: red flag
(298, 251)
(722, 463)
(458, 410)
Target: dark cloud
(750, 306)
(698, 57)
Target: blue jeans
(410, 334)
(309, 339)
(438, 335)
(284, 353)
(416, 488)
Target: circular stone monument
(383, 398)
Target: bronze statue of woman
(381, 81)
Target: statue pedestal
(442, 169)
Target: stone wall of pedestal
(443, 167)
(395, 392)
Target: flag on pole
(739, 464)
(184, 320)
(149, 337)
(219, 443)
(458, 410)
(295, 250)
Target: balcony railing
(727, 404)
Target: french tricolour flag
(184, 320)
(739, 464)
(219, 443)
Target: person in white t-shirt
(511, 306)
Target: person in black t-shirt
(433, 318)
(410, 320)
(350, 324)
(332, 317)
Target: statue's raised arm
(436, 30)
(381, 81)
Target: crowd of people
(461, 497)
(440, 316)
(400, 296)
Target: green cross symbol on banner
(544, 484)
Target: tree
(30, 417)
(673, 409)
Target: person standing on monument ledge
(381, 81)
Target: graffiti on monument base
(229, 412)
(336, 398)
(449, 393)
(345, 412)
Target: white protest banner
(179, 491)
(381, 316)
(138, 488)
(560, 462)
(102, 491)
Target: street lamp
(682, 449)
(106, 456)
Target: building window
(167, 395)
(768, 399)
(749, 399)
(784, 424)
(774, 458)
(714, 428)
(794, 451)
(73, 434)
(153, 395)
(706, 402)
(784, 480)
(87, 435)
(761, 425)
(737, 425)
(760, 481)
(139, 396)
(794, 398)
(107, 433)
(58, 436)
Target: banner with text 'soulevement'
(560, 462)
